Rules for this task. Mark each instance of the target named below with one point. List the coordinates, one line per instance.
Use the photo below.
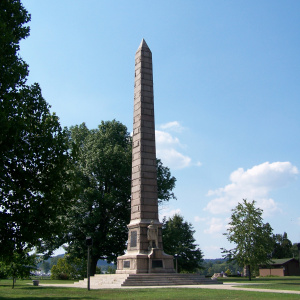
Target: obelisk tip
(143, 44)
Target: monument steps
(103, 281)
(166, 279)
(143, 279)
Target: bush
(228, 272)
(68, 269)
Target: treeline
(63, 265)
(211, 266)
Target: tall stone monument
(145, 247)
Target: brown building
(281, 267)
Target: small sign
(133, 239)
(157, 263)
(126, 264)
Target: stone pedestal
(145, 246)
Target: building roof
(281, 261)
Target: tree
(211, 266)
(13, 70)
(111, 270)
(20, 266)
(282, 246)
(165, 183)
(68, 268)
(252, 237)
(45, 267)
(295, 250)
(178, 240)
(33, 148)
(102, 209)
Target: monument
(145, 246)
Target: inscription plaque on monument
(126, 264)
(133, 239)
(157, 263)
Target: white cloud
(216, 226)
(173, 126)
(166, 212)
(198, 163)
(164, 138)
(173, 159)
(253, 184)
(198, 219)
(166, 150)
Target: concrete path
(225, 286)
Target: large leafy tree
(178, 240)
(33, 148)
(252, 237)
(103, 172)
(282, 246)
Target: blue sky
(226, 92)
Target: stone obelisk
(145, 248)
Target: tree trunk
(249, 272)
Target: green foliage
(3, 272)
(178, 239)
(13, 70)
(102, 210)
(211, 266)
(282, 246)
(295, 251)
(165, 183)
(111, 270)
(33, 149)
(20, 266)
(103, 177)
(228, 272)
(67, 268)
(253, 238)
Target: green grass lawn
(277, 283)
(26, 291)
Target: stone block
(146, 168)
(146, 53)
(136, 195)
(149, 181)
(149, 215)
(149, 209)
(146, 175)
(147, 117)
(147, 111)
(146, 88)
(147, 149)
(149, 201)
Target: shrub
(66, 269)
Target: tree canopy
(103, 175)
(282, 246)
(33, 148)
(178, 240)
(253, 238)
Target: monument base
(156, 261)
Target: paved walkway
(225, 286)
